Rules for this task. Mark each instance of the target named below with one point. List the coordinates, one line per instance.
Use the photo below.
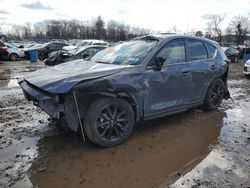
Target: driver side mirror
(158, 63)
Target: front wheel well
(13, 53)
(225, 75)
(85, 100)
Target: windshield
(77, 51)
(9, 45)
(128, 53)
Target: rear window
(211, 50)
(197, 50)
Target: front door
(167, 88)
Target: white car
(84, 43)
(246, 69)
(14, 52)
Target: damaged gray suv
(142, 79)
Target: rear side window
(211, 50)
(197, 50)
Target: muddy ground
(191, 149)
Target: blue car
(138, 80)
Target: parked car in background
(146, 78)
(14, 53)
(3, 51)
(46, 48)
(85, 43)
(59, 40)
(245, 50)
(246, 69)
(29, 44)
(62, 56)
(232, 54)
(224, 46)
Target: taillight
(5, 49)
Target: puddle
(164, 147)
(230, 159)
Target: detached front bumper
(46, 101)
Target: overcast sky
(159, 15)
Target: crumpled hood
(61, 78)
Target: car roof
(91, 46)
(167, 36)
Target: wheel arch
(84, 100)
(129, 97)
(13, 53)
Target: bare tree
(17, 31)
(27, 30)
(40, 29)
(112, 30)
(239, 24)
(199, 33)
(214, 26)
(73, 29)
(99, 28)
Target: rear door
(203, 65)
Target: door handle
(186, 72)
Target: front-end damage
(52, 104)
(83, 94)
(71, 107)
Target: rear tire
(109, 121)
(215, 94)
(13, 57)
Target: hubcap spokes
(112, 122)
(217, 94)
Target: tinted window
(211, 50)
(197, 50)
(173, 52)
(90, 52)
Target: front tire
(215, 94)
(109, 121)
